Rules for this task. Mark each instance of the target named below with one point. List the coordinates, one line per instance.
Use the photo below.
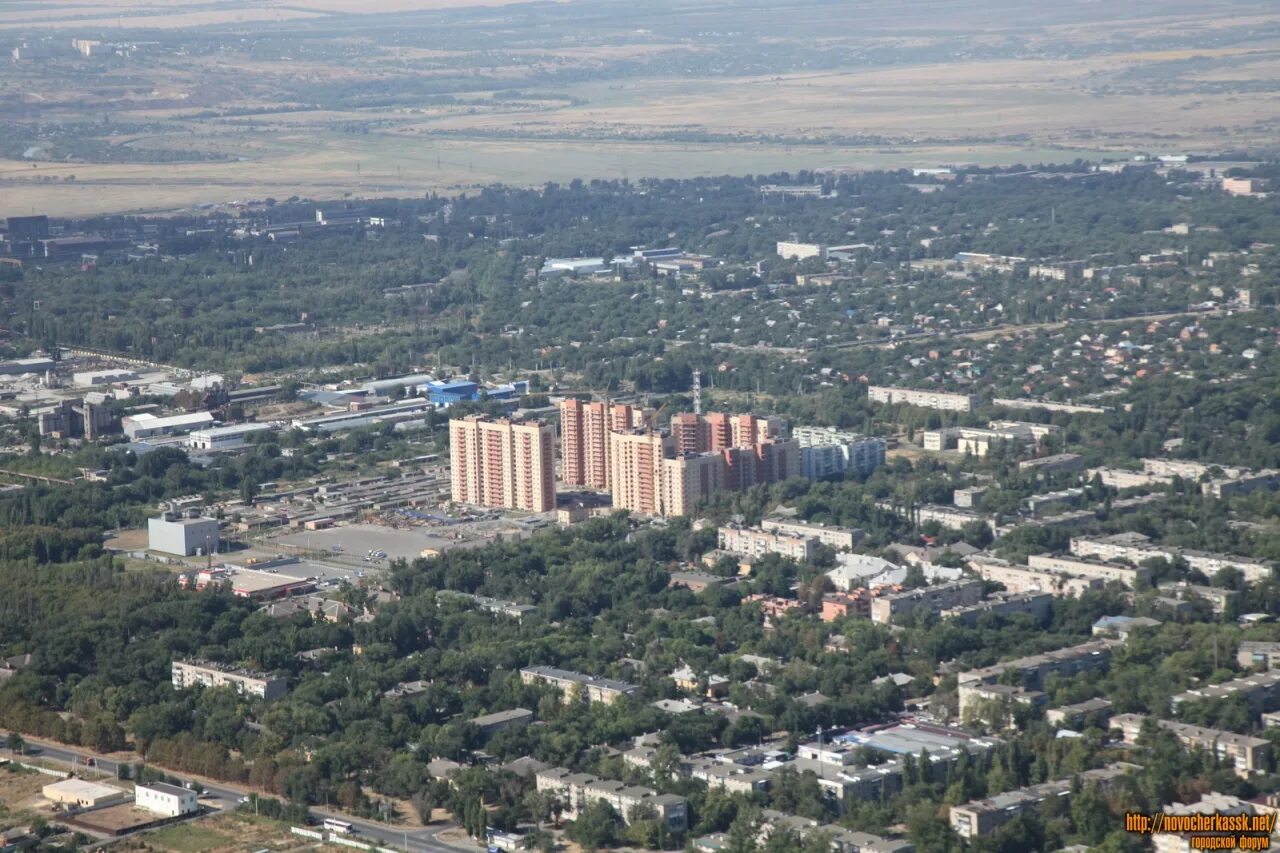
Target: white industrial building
(183, 534)
(164, 799)
(89, 378)
(19, 366)
(800, 251)
(554, 267)
(225, 437)
(147, 425)
(81, 793)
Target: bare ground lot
(358, 539)
(20, 789)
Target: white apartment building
(1024, 579)
(928, 399)
(579, 790)
(754, 542)
(949, 516)
(1106, 572)
(206, 674)
(1137, 549)
(840, 538)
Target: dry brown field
(1129, 97)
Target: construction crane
(651, 422)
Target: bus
(339, 826)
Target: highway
(227, 797)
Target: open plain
(176, 104)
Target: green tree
(596, 826)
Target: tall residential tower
(503, 463)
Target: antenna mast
(697, 392)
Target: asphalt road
(227, 797)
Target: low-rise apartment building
(499, 721)
(1024, 579)
(794, 251)
(1123, 478)
(193, 673)
(970, 497)
(978, 441)
(994, 703)
(1253, 653)
(842, 840)
(1248, 754)
(1229, 487)
(1137, 548)
(603, 690)
(924, 398)
(1210, 804)
(1090, 712)
(898, 607)
(952, 517)
(1218, 598)
(838, 605)
(576, 791)
(839, 538)
(1034, 670)
(754, 542)
(982, 817)
(1261, 692)
(730, 777)
(1105, 572)
(1058, 463)
(1034, 604)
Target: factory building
(183, 534)
(147, 425)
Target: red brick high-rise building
(584, 440)
(717, 431)
(636, 461)
(503, 463)
(652, 473)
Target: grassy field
(20, 789)
(189, 838)
(223, 833)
